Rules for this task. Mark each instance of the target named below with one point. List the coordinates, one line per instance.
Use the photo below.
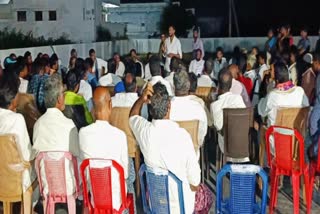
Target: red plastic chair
(99, 174)
(283, 162)
(314, 170)
(55, 175)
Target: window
(22, 16)
(52, 15)
(38, 15)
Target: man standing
(197, 43)
(173, 48)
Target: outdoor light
(110, 3)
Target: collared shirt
(109, 79)
(226, 100)
(101, 140)
(85, 90)
(184, 109)
(72, 98)
(121, 69)
(172, 47)
(159, 142)
(293, 73)
(23, 85)
(147, 74)
(196, 67)
(54, 132)
(156, 79)
(218, 66)
(14, 123)
(124, 99)
(238, 88)
(205, 81)
(309, 84)
(294, 97)
(98, 65)
(92, 80)
(198, 44)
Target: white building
(140, 19)
(76, 19)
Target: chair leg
(273, 192)
(296, 193)
(310, 190)
(261, 159)
(137, 161)
(27, 201)
(7, 207)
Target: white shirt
(205, 81)
(85, 90)
(109, 79)
(226, 100)
(121, 69)
(14, 123)
(218, 66)
(293, 73)
(201, 102)
(54, 132)
(198, 45)
(262, 69)
(196, 67)
(184, 109)
(172, 47)
(238, 88)
(100, 63)
(23, 85)
(124, 99)
(294, 98)
(147, 74)
(101, 140)
(159, 142)
(156, 79)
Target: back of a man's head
(181, 83)
(281, 72)
(225, 80)
(175, 64)
(53, 89)
(160, 102)
(72, 80)
(155, 67)
(193, 83)
(102, 103)
(208, 66)
(9, 84)
(88, 63)
(130, 83)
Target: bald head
(234, 69)
(102, 103)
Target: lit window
(52, 15)
(22, 16)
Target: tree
(180, 18)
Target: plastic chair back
(242, 189)
(237, 138)
(192, 128)
(10, 189)
(120, 119)
(99, 173)
(284, 144)
(155, 193)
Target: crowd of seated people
(76, 104)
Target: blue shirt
(92, 80)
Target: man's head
(316, 62)
(208, 66)
(270, 33)
(155, 67)
(181, 83)
(130, 83)
(195, 33)
(172, 30)
(163, 37)
(198, 54)
(219, 53)
(160, 102)
(193, 83)
(281, 72)
(53, 92)
(243, 63)
(9, 84)
(234, 70)
(133, 54)
(54, 65)
(284, 31)
(116, 57)
(28, 57)
(73, 80)
(20, 67)
(73, 53)
(102, 103)
(304, 33)
(293, 55)
(88, 63)
(92, 54)
(262, 57)
(176, 64)
(225, 81)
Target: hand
(147, 93)
(194, 188)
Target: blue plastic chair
(155, 193)
(242, 190)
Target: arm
(145, 98)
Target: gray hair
(181, 82)
(53, 88)
(159, 102)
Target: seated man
(102, 140)
(286, 94)
(92, 79)
(155, 69)
(53, 131)
(184, 108)
(205, 80)
(226, 99)
(197, 65)
(119, 66)
(159, 142)
(14, 123)
(130, 97)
